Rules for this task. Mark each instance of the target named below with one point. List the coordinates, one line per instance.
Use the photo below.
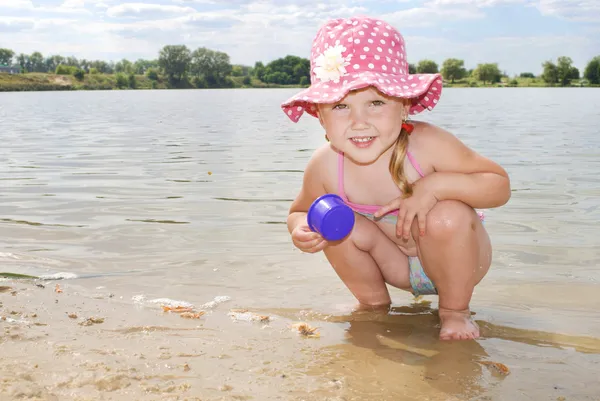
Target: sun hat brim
(424, 90)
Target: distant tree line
(206, 68)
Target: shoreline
(42, 82)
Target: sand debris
(192, 315)
(71, 315)
(186, 312)
(497, 367)
(58, 289)
(4, 288)
(247, 316)
(92, 320)
(306, 330)
(177, 309)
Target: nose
(358, 117)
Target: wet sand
(91, 344)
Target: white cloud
(475, 3)
(15, 24)
(430, 15)
(16, 4)
(144, 10)
(576, 10)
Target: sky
(519, 35)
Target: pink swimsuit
(367, 210)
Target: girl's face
(364, 124)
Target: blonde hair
(397, 164)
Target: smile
(362, 139)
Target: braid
(397, 164)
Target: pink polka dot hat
(353, 53)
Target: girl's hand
(307, 240)
(418, 205)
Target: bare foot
(457, 325)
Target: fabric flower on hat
(331, 64)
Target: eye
(339, 106)
(378, 103)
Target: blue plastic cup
(331, 217)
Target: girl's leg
(366, 260)
(456, 254)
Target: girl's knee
(449, 218)
(364, 233)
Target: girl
(413, 186)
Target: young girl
(412, 185)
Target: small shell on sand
(306, 330)
(497, 367)
(58, 289)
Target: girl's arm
(461, 173)
(312, 187)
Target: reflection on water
(399, 351)
(184, 195)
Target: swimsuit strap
(415, 164)
(341, 191)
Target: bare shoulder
(319, 176)
(427, 134)
(441, 150)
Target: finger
(319, 247)
(422, 220)
(400, 223)
(393, 205)
(407, 223)
(305, 235)
(310, 244)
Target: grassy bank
(506, 82)
(53, 82)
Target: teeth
(363, 139)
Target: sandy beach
(62, 341)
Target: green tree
(175, 61)
(152, 74)
(592, 71)
(132, 81)
(52, 62)
(286, 70)
(412, 69)
(124, 66)
(488, 72)
(259, 70)
(79, 74)
(213, 66)
(37, 62)
(237, 71)
(526, 75)
(427, 67)
(6, 56)
(141, 66)
(453, 68)
(566, 71)
(550, 74)
(122, 81)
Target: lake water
(184, 195)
